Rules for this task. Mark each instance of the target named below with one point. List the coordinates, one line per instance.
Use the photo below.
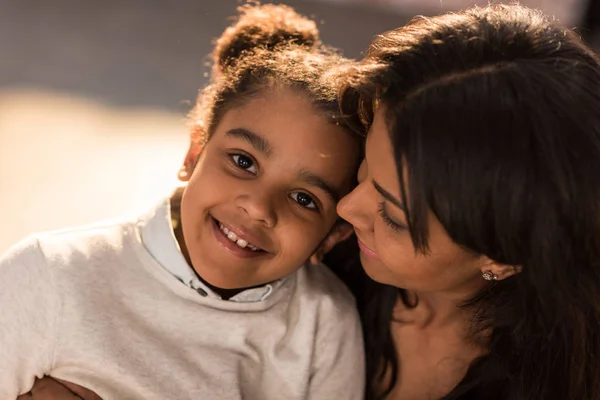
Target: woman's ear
(493, 271)
(340, 232)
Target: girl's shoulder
(61, 251)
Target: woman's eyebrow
(388, 196)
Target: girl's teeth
(223, 228)
(233, 237)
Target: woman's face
(388, 256)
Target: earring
(489, 275)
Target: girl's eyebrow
(315, 180)
(261, 144)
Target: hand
(49, 388)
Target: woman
(479, 199)
(477, 209)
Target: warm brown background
(93, 95)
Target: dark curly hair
(267, 26)
(269, 47)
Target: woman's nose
(354, 207)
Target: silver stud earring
(489, 275)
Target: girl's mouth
(230, 240)
(233, 237)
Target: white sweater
(94, 306)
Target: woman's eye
(392, 224)
(244, 162)
(304, 200)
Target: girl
(209, 294)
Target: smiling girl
(209, 294)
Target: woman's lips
(367, 251)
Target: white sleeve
(338, 370)
(28, 311)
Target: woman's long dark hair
(494, 113)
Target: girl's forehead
(283, 126)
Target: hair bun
(263, 26)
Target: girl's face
(377, 213)
(263, 194)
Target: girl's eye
(304, 200)
(394, 225)
(244, 162)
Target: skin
(432, 338)
(56, 389)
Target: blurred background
(94, 94)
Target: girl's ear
(189, 162)
(340, 232)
